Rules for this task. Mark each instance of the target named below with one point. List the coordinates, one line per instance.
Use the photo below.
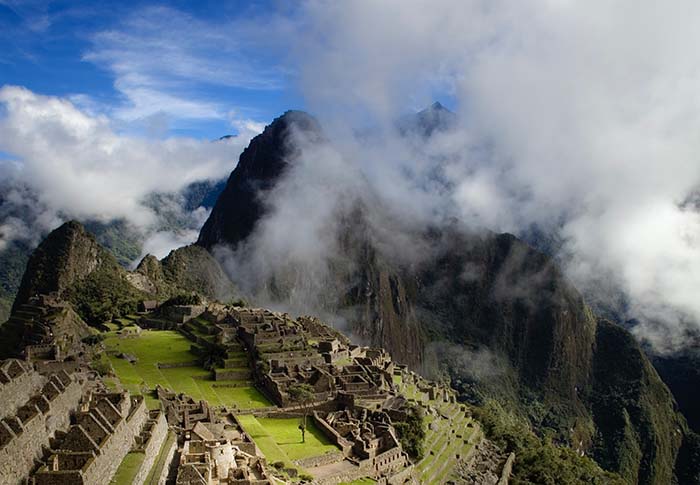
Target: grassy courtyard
(280, 439)
(152, 347)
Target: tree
(411, 431)
(304, 395)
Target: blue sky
(188, 68)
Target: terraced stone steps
(452, 439)
(450, 435)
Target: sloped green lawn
(164, 346)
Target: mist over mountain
(532, 238)
(179, 216)
(431, 290)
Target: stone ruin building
(35, 408)
(181, 410)
(108, 426)
(367, 439)
(219, 454)
(213, 450)
(60, 426)
(305, 351)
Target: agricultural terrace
(450, 434)
(153, 347)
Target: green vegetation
(302, 394)
(411, 432)
(361, 481)
(120, 239)
(539, 460)
(278, 439)
(104, 295)
(102, 365)
(193, 269)
(128, 469)
(168, 347)
(184, 299)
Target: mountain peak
(434, 118)
(437, 106)
(259, 167)
(68, 254)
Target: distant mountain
(583, 379)
(123, 241)
(434, 118)
(74, 267)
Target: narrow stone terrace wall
(507, 470)
(152, 447)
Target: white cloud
(577, 115)
(77, 166)
(160, 243)
(165, 61)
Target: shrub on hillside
(539, 460)
(184, 299)
(411, 432)
(103, 296)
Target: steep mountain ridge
(239, 206)
(480, 292)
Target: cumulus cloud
(575, 117)
(68, 163)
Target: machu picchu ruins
(211, 394)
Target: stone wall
(15, 390)
(507, 470)
(333, 435)
(407, 475)
(151, 448)
(175, 365)
(232, 374)
(385, 463)
(325, 459)
(170, 464)
(25, 435)
(99, 466)
(117, 446)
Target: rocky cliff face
(240, 205)
(483, 293)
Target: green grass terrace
(280, 439)
(154, 347)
